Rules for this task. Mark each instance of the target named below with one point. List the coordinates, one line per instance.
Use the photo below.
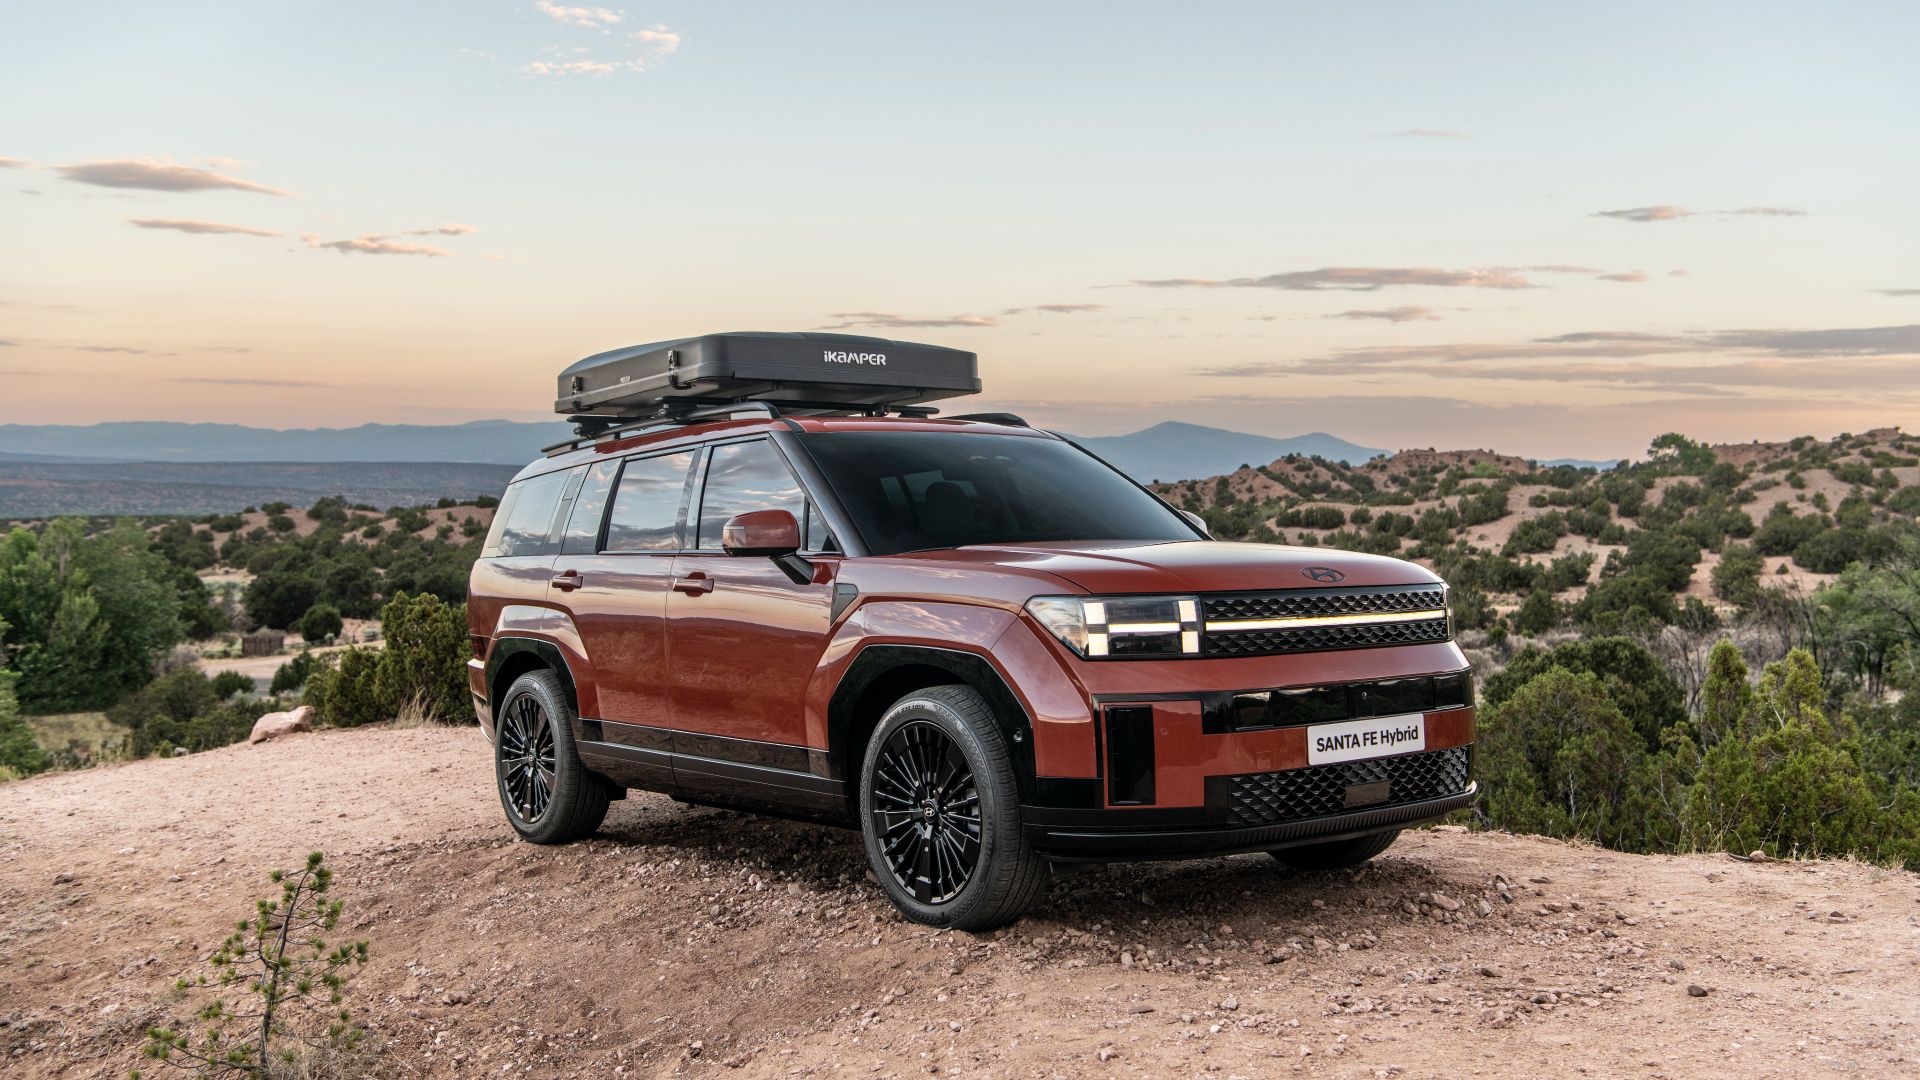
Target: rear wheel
(549, 796)
(1338, 853)
(940, 811)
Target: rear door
(745, 639)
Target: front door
(744, 639)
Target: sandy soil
(690, 941)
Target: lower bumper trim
(1120, 843)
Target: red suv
(972, 640)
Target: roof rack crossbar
(1006, 418)
(590, 428)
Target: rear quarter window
(523, 524)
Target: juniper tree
(292, 979)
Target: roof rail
(589, 428)
(1006, 418)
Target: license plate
(1354, 740)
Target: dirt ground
(686, 941)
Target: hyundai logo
(1325, 574)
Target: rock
(1676, 965)
(180, 751)
(1443, 901)
(275, 724)
(1696, 990)
(1108, 1053)
(1230, 1004)
(1141, 1009)
(63, 878)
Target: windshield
(915, 490)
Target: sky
(1551, 230)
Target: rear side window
(649, 505)
(742, 477)
(589, 507)
(523, 523)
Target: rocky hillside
(688, 942)
(1420, 503)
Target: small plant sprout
(290, 979)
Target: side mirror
(1197, 522)
(766, 533)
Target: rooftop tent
(798, 373)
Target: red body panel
(742, 653)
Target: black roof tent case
(827, 372)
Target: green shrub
(321, 623)
(292, 675)
(1736, 577)
(1633, 678)
(20, 754)
(228, 683)
(423, 667)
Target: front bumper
(1129, 835)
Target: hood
(1189, 566)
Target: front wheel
(549, 796)
(940, 811)
(1337, 854)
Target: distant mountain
(500, 442)
(1176, 451)
(1581, 463)
(1169, 451)
(47, 489)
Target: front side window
(523, 522)
(746, 476)
(649, 505)
(920, 490)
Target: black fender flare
(512, 656)
(868, 672)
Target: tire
(548, 795)
(1338, 853)
(937, 779)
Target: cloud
(15, 163)
(1664, 212)
(1630, 276)
(238, 381)
(1356, 279)
(189, 225)
(450, 229)
(1056, 309)
(1822, 347)
(149, 175)
(1407, 313)
(647, 46)
(590, 18)
(1648, 213)
(1897, 292)
(891, 321)
(1676, 273)
(1423, 133)
(372, 244)
(570, 67)
(657, 40)
(128, 350)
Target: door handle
(694, 584)
(566, 580)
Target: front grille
(1308, 603)
(1314, 638)
(1274, 798)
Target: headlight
(1122, 627)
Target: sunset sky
(1549, 232)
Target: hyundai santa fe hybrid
(766, 576)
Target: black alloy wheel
(527, 758)
(926, 812)
(549, 795)
(940, 813)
